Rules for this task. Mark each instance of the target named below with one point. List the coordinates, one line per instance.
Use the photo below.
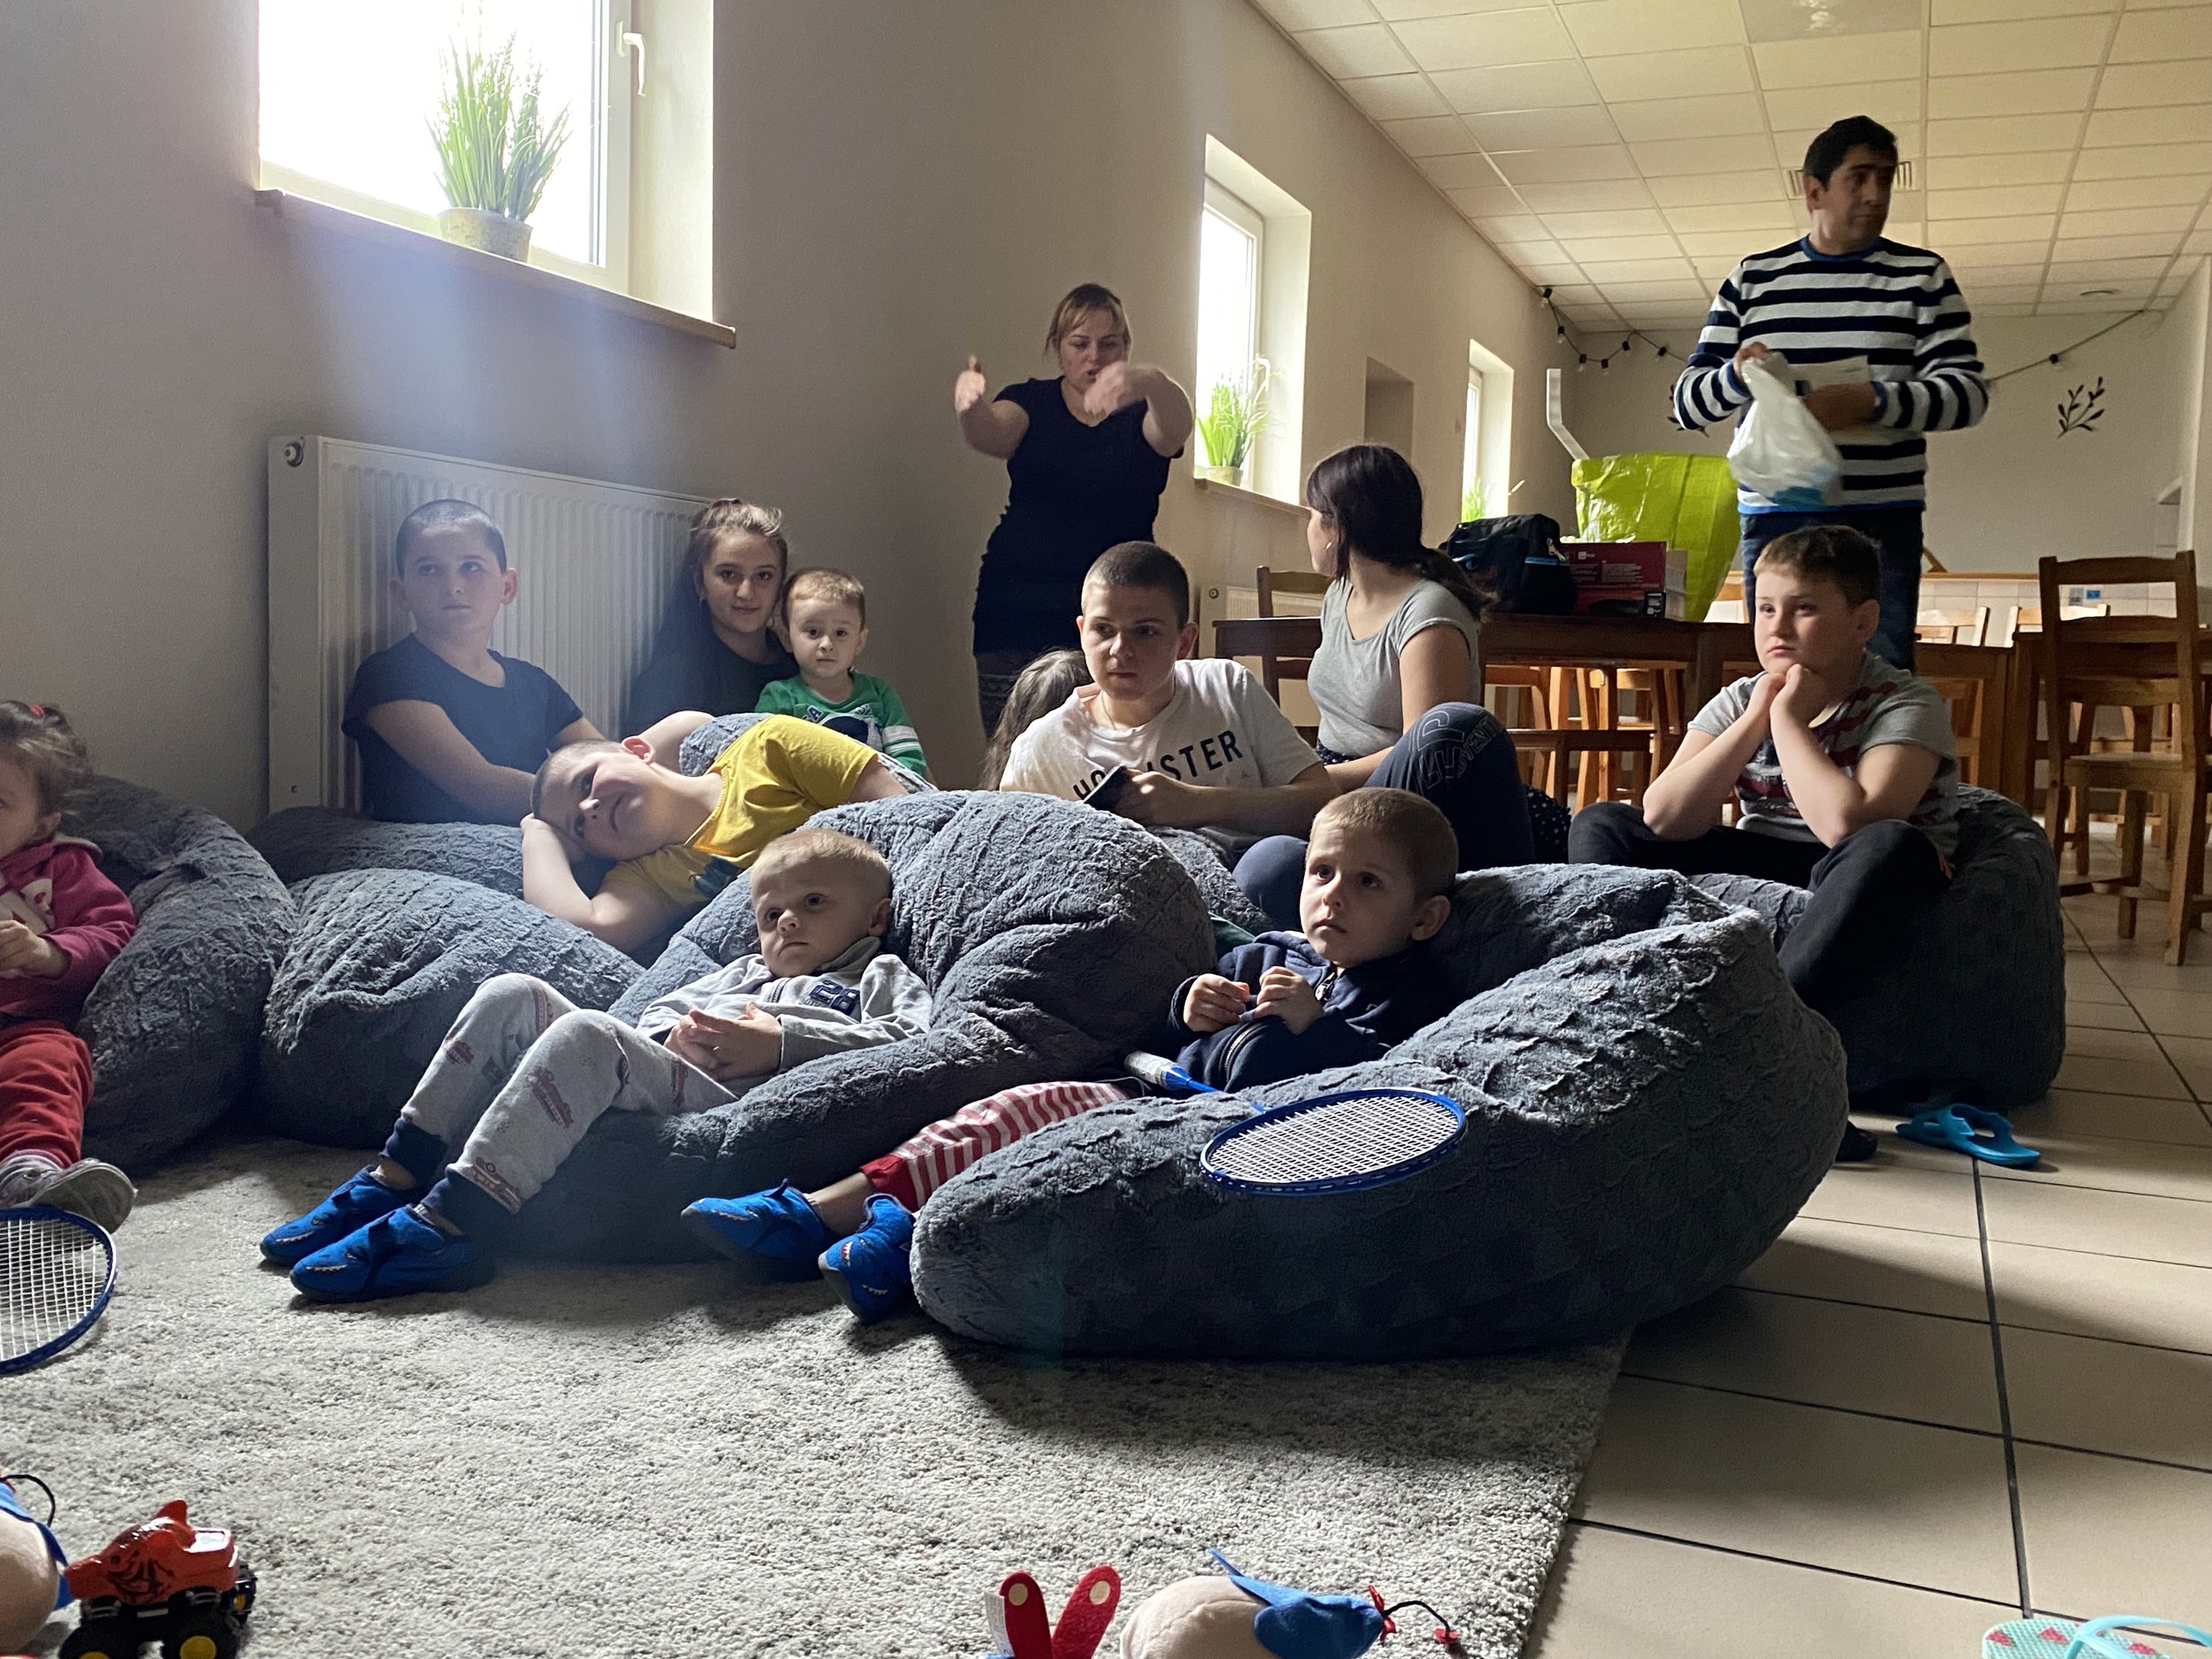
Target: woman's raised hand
(969, 387)
(1118, 385)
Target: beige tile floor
(1947, 1393)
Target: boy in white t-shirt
(1202, 743)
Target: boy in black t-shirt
(449, 729)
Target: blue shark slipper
(2107, 1638)
(1970, 1130)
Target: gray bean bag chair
(381, 964)
(1972, 996)
(173, 1022)
(1649, 1105)
(1052, 936)
(302, 842)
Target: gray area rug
(580, 1459)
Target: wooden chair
(2138, 664)
(1268, 581)
(1975, 681)
(1954, 627)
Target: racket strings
(1355, 1135)
(54, 1274)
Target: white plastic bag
(1780, 451)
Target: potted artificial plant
(1236, 410)
(495, 149)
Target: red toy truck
(166, 1581)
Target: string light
(1573, 342)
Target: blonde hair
(1078, 303)
(37, 737)
(1038, 690)
(842, 852)
(833, 586)
(1410, 823)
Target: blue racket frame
(98, 1235)
(1360, 1182)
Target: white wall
(896, 184)
(2011, 489)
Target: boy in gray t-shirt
(1843, 769)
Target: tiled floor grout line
(1816, 1405)
(1783, 1561)
(2054, 1178)
(1846, 1302)
(2004, 1406)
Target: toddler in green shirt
(825, 626)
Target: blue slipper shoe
(778, 1223)
(347, 1210)
(873, 1270)
(2100, 1639)
(1955, 1127)
(396, 1255)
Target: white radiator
(595, 560)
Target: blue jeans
(1456, 755)
(1896, 530)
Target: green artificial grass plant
(494, 150)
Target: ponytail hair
(1371, 496)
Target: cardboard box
(1631, 601)
(1626, 565)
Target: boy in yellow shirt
(678, 839)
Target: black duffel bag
(1517, 558)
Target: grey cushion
(1052, 936)
(1648, 1106)
(1972, 996)
(312, 841)
(173, 1022)
(381, 964)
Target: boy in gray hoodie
(524, 1073)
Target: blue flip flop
(2063, 1639)
(1956, 1126)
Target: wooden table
(2023, 740)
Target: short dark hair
(1826, 152)
(1411, 823)
(562, 756)
(446, 514)
(1143, 564)
(1830, 552)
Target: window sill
(322, 216)
(1231, 492)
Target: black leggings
(1865, 888)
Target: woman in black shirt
(714, 651)
(1086, 454)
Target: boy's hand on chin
(1287, 996)
(1159, 801)
(1803, 694)
(1214, 1003)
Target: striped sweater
(1892, 308)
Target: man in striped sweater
(1880, 335)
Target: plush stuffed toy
(30, 1573)
(1243, 1617)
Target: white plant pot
(487, 232)
(1229, 475)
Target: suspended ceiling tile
(1606, 27)
(1583, 249)
(1982, 296)
(2140, 85)
(1564, 166)
(1604, 271)
(1888, 102)
(1398, 11)
(1995, 201)
(2131, 246)
(1985, 49)
(2098, 193)
(1667, 288)
(1536, 253)
(1701, 189)
(1368, 50)
(1543, 129)
(2018, 227)
(2014, 309)
(1518, 87)
(1738, 216)
(1960, 173)
(2141, 161)
(2124, 221)
(1735, 245)
(1490, 38)
(1576, 294)
(1993, 135)
(1636, 223)
(2197, 241)
(2175, 125)
(2084, 308)
(2002, 276)
(1793, 142)
(2152, 37)
(1392, 97)
(1514, 227)
(2004, 11)
(1838, 61)
(2023, 92)
(1662, 157)
(1714, 270)
(1494, 201)
(1431, 135)
(1543, 274)
(1715, 117)
(1316, 14)
(1982, 255)
(1460, 172)
(1587, 198)
(1711, 69)
(2080, 271)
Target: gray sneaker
(98, 1192)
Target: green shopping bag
(1686, 501)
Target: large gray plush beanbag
(381, 964)
(1649, 1105)
(173, 1022)
(1971, 997)
(302, 842)
(1051, 936)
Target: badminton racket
(1335, 1143)
(57, 1272)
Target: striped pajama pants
(916, 1167)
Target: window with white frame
(1472, 497)
(350, 89)
(1255, 242)
(1231, 245)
